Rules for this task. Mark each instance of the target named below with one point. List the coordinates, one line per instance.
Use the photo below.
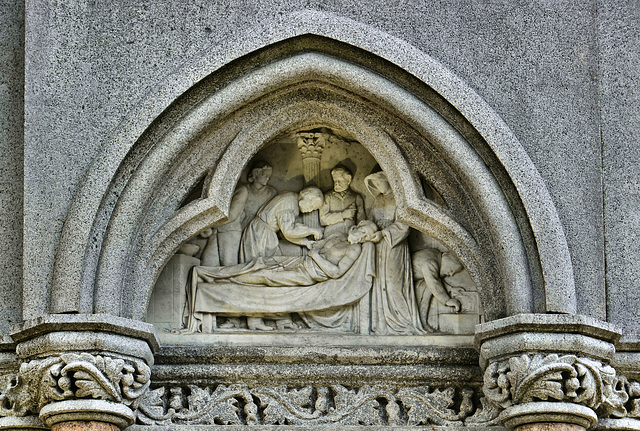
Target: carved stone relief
(312, 244)
(41, 384)
(314, 405)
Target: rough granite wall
(535, 62)
(11, 167)
(619, 87)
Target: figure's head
(341, 178)
(449, 265)
(362, 232)
(310, 199)
(377, 184)
(260, 173)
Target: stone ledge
(546, 333)
(56, 343)
(304, 339)
(314, 354)
(6, 343)
(86, 322)
(260, 374)
(551, 323)
(312, 428)
(627, 364)
(543, 342)
(617, 425)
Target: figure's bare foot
(232, 322)
(286, 324)
(261, 327)
(254, 323)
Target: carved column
(550, 372)
(78, 372)
(311, 146)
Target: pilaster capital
(75, 367)
(550, 368)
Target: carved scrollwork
(564, 378)
(628, 392)
(74, 376)
(309, 405)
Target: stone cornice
(86, 322)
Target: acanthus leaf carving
(552, 377)
(74, 376)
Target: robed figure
(394, 308)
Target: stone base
(460, 323)
(97, 411)
(531, 415)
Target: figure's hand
(309, 244)
(349, 213)
(207, 233)
(317, 233)
(376, 237)
(453, 302)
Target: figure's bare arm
(296, 233)
(329, 268)
(238, 203)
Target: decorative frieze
(314, 405)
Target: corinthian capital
(75, 376)
(72, 371)
(553, 377)
(550, 369)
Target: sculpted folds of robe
(394, 308)
(260, 238)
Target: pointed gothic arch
(501, 220)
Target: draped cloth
(394, 306)
(229, 293)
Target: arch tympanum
(456, 172)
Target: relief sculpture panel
(312, 244)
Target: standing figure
(223, 245)
(342, 207)
(394, 308)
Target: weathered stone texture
(618, 24)
(90, 64)
(11, 166)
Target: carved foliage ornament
(563, 378)
(74, 376)
(309, 405)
